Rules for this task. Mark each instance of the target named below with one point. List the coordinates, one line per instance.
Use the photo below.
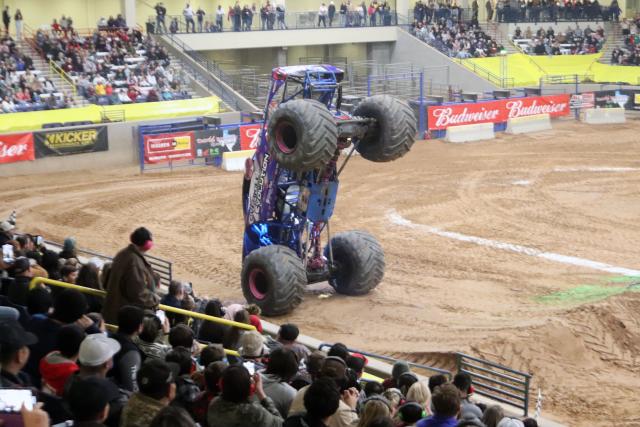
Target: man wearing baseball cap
(95, 359)
(14, 354)
(131, 280)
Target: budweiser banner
(250, 136)
(166, 147)
(214, 142)
(75, 141)
(443, 116)
(16, 148)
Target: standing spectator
(18, 20)
(343, 14)
(331, 12)
(173, 27)
(157, 390)
(161, 12)
(322, 15)
(237, 17)
(489, 6)
(220, 18)
(200, 14)
(188, 18)
(127, 361)
(131, 280)
(6, 19)
(280, 12)
(235, 406)
(474, 11)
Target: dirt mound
(440, 360)
(593, 349)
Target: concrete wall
(310, 37)
(410, 49)
(123, 151)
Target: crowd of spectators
(630, 53)
(570, 42)
(272, 16)
(22, 88)
(114, 64)
(456, 38)
(551, 10)
(163, 369)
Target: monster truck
(291, 184)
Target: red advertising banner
(250, 136)
(16, 148)
(443, 116)
(166, 147)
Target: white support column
(129, 12)
(403, 6)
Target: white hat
(96, 349)
(6, 226)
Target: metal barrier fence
(508, 385)
(533, 13)
(270, 22)
(393, 360)
(161, 266)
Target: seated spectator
(321, 401)
(69, 273)
(252, 349)
(173, 298)
(69, 249)
(287, 336)
(410, 413)
(436, 380)
(89, 276)
(254, 316)
(157, 390)
(492, 416)
(463, 383)
(399, 368)
(419, 392)
(281, 367)
(39, 302)
(172, 416)
(88, 402)
(127, 361)
(22, 275)
(212, 375)
(14, 354)
(95, 359)
(232, 338)
(339, 350)
(234, 408)
(69, 307)
(446, 406)
(186, 389)
(150, 341)
(57, 366)
(210, 331)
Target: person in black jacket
(321, 401)
(6, 19)
(127, 362)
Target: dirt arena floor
(477, 240)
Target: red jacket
(55, 370)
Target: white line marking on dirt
(595, 169)
(398, 219)
(523, 182)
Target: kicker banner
(443, 116)
(74, 141)
(165, 147)
(16, 148)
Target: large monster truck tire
(394, 133)
(302, 135)
(358, 260)
(273, 278)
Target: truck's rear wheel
(273, 278)
(302, 135)
(394, 133)
(358, 262)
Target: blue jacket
(437, 421)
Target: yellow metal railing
(37, 280)
(54, 68)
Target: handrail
(392, 359)
(97, 292)
(503, 82)
(53, 67)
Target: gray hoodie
(280, 392)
